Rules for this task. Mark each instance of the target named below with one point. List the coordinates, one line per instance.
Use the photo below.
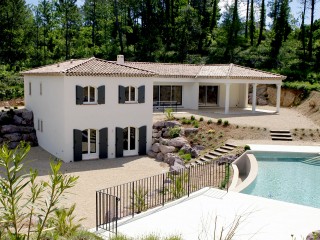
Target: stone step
(231, 145)
(214, 153)
(280, 135)
(193, 164)
(282, 138)
(204, 159)
(199, 162)
(227, 148)
(209, 156)
(219, 150)
(279, 131)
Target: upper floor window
(90, 95)
(131, 94)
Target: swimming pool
(289, 177)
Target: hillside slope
(311, 107)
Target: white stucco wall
(110, 115)
(48, 108)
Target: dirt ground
(311, 107)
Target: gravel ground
(98, 174)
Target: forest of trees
(184, 31)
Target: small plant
(237, 126)
(140, 196)
(211, 131)
(264, 129)
(169, 114)
(196, 124)
(186, 157)
(186, 121)
(177, 187)
(201, 119)
(174, 132)
(181, 152)
(219, 122)
(226, 123)
(192, 118)
(209, 122)
(311, 134)
(246, 147)
(225, 181)
(15, 107)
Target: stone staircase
(213, 155)
(280, 135)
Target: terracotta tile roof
(98, 67)
(89, 67)
(168, 69)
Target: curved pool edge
(245, 171)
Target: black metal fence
(135, 197)
(161, 106)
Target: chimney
(120, 59)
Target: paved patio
(194, 218)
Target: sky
(296, 8)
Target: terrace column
(254, 97)
(278, 97)
(227, 99)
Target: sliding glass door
(208, 95)
(167, 94)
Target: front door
(130, 141)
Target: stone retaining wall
(16, 126)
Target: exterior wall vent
(120, 59)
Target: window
(167, 95)
(130, 94)
(89, 141)
(89, 95)
(41, 88)
(30, 88)
(129, 138)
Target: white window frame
(91, 155)
(135, 94)
(95, 95)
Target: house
(92, 108)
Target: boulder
(179, 161)
(195, 153)
(171, 124)
(27, 115)
(18, 120)
(1, 140)
(159, 156)
(12, 145)
(156, 135)
(159, 124)
(151, 154)
(188, 131)
(315, 235)
(170, 158)
(155, 147)
(166, 134)
(9, 129)
(30, 137)
(155, 140)
(23, 129)
(166, 149)
(177, 142)
(186, 148)
(154, 130)
(262, 102)
(163, 141)
(176, 168)
(199, 147)
(12, 137)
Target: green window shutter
(122, 94)
(103, 143)
(143, 140)
(79, 95)
(141, 94)
(101, 95)
(119, 142)
(77, 145)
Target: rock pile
(164, 148)
(16, 126)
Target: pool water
(289, 177)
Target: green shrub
(186, 121)
(246, 147)
(219, 121)
(192, 118)
(169, 114)
(181, 152)
(186, 157)
(195, 124)
(174, 132)
(201, 119)
(226, 123)
(211, 131)
(209, 121)
(140, 199)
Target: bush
(174, 132)
(211, 131)
(186, 121)
(226, 123)
(246, 147)
(195, 124)
(186, 157)
(219, 121)
(201, 119)
(169, 114)
(209, 121)
(181, 152)
(192, 118)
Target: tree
(262, 21)
(311, 29)
(251, 23)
